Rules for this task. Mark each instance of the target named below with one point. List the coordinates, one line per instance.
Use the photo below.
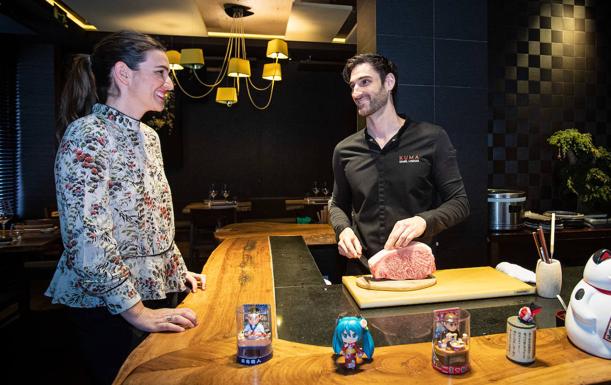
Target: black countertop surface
(307, 308)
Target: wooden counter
(206, 354)
(316, 234)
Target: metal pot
(505, 209)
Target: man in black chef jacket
(387, 175)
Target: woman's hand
(160, 320)
(195, 281)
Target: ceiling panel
(316, 22)
(159, 17)
(295, 20)
(270, 16)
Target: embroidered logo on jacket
(409, 158)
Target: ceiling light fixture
(235, 63)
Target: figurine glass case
(254, 334)
(451, 337)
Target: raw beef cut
(416, 261)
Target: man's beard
(376, 102)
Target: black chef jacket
(379, 187)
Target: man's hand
(404, 231)
(349, 245)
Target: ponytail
(78, 95)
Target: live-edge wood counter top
(313, 234)
(240, 271)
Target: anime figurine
(254, 328)
(349, 332)
(450, 344)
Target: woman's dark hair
(90, 80)
(380, 64)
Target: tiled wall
(548, 70)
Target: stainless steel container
(505, 209)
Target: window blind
(8, 137)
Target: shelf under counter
(573, 246)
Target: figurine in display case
(451, 340)
(254, 335)
(350, 333)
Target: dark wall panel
(441, 50)
(277, 152)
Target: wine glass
(6, 212)
(225, 192)
(213, 191)
(315, 189)
(325, 189)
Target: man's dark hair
(380, 64)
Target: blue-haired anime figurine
(348, 333)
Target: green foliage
(586, 168)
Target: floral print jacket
(116, 214)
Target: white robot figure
(588, 317)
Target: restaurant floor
(42, 348)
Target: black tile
(463, 113)
(413, 56)
(416, 101)
(460, 63)
(404, 18)
(464, 19)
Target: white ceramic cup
(549, 278)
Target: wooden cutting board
(368, 282)
(452, 285)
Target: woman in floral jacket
(120, 271)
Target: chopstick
(539, 250)
(543, 244)
(551, 237)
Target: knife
(364, 262)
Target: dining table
(245, 206)
(28, 243)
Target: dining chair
(203, 224)
(270, 210)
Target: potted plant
(585, 169)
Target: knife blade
(364, 261)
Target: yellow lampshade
(174, 59)
(192, 58)
(238, 68)
(226, 95)
(272, 71)
(277, 48)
